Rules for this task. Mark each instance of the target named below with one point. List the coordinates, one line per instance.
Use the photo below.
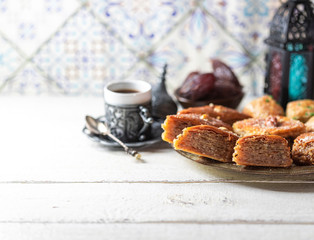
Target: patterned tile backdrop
(76, 46)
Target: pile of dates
(222, 83)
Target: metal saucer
(105, 141)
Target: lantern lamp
(290, 59)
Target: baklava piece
(301, 110)
(262, 150)
(271, 125)
(303, 149)
(227, 115)
(174, 124)
(310, 125)
(263, 107)
(207, 141)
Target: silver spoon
(101, 128)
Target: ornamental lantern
(290, 58)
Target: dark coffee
(126, 91)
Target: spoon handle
(128, 150)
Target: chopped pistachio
(311, 114)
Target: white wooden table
(57, 184)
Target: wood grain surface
(57, 184)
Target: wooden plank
(155, 203)
(42, 141)
(153, 231)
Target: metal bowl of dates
(221, 87)
(231, 101)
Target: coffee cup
(128, 110)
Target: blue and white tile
(10, 60)
(140, 23)
(3, 6)
(30, 23)
(246, 20)
(30, 80)
(82, 61)
(217, 9)
(142, 71)
(254, 76)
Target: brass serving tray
(293, 172)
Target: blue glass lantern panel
(298, 76)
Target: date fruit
(220, 84)
(224, 73)
(197, 86)
(224, 89)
